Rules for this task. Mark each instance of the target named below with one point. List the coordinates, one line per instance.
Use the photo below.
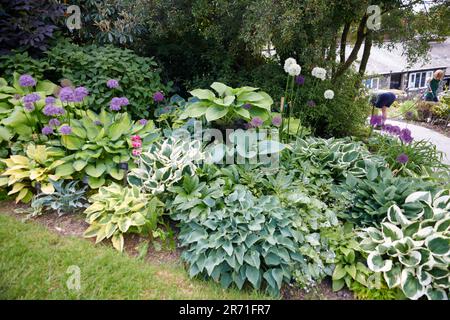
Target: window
(418, 80)
(372, 83)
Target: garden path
(441, 142)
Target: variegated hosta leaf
(411, 259)
(393, 277)
(411, 286)
(376, 263)
(438, 244)
(396, 216)
(391, 231)
(419, 196)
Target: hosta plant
(412, 247)
(116, 210)
(101, 144)
(369, 198)
(68, 198)
(165, 163)
(228, 104)
(249, 241)
(34, 170)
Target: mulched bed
(74, 225)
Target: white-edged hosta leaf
(419, 196)
(376, 263)
(396, 216)
(411, 285)
(393, 276)
(411, 259)
(438, 245)
(391, 231)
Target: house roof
(385, 60)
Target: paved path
(441, 142)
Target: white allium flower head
(329, 94)
(319, 73)
(288, 63)
(294, 70)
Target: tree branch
(344, 41)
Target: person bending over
(384, 101)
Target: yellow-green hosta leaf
(216, 112)
(97, 206)
(24, 195)
(339, 272)
(72, 142)
(21, 160)
(124, 224)
(96, 183)
(79, 165)
(16, 188)
(47, 188)
(203, 94)
(117, 241)
(116, 173)
(36, 173)
(95, 171)
(64, 170)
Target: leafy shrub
(361, 292)
(28, 24)
(67, 198)
(230, 104)
(412, 248)
(98, 150)
(117, 210)
(370, 197)
(35, 170)
(23, 63)
(422, 156)
(165, 163)
(248, 241)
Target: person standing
(433, 86)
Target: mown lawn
(34, 264)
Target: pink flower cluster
(136, 142)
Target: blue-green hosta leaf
(411, 259)
(253, 275)
(411, 286)
(419, 196)
(403, 246)
(376, 263)
(225, 280)
(438, 245)
(252, 258)
(278, 276)
(391, 231)
(393, 276)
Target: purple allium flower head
(79, 94)
(65, 130)
(54, 122)
(387, 128)
(256, 122)
(97, 122)
(112, 83)
(49, 110)
(311, 103)
(143, 122)
(300, 80)
(47, 130)
(115, 104)
(26, 80)
(395, 130)
(50, 100)
(405, 136)
(66, 94)
(29, 106)
(158, 96)
(376, 120)
(276, 121)
(31, 98)
(124, 101)
(247, 106)
(402, 158)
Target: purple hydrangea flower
(143, 122)
(276, 121)
(376, 120)
(31, 98)
(79, 94)
(26, 80)
(112, 83)
(47, 130)
(158, 96)
(29, 106)
(65, 130)
(311, 103)
(256, 122)
(50, 100)
(403, 158)
(300, 80)
(66, 94)
(54, 122)
(247, 106)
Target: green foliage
(423, 157)
(35, 170)
(165, 163)
(250, 240)
(117, 210)
(228, 106)
(412, 247)
(361, 292)
(98, 150)
(370, 197)
(67, 198)
(23, 63)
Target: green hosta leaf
(396, 216)
(243, 113)
(338, 284)
(216, 112)
(438, 245)
(253, 275)
(96, 183)
(64, 170)
(411, 286)
(116, 173)
(351, 270)
(79, 165)
(46, 87)
(339, 272)
(95, 171)
(203, 94)
(436, 294)
(377, 263)
(118, 129)
(72, 142)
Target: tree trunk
(344, 41)
(367, 48)
(354, 54)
